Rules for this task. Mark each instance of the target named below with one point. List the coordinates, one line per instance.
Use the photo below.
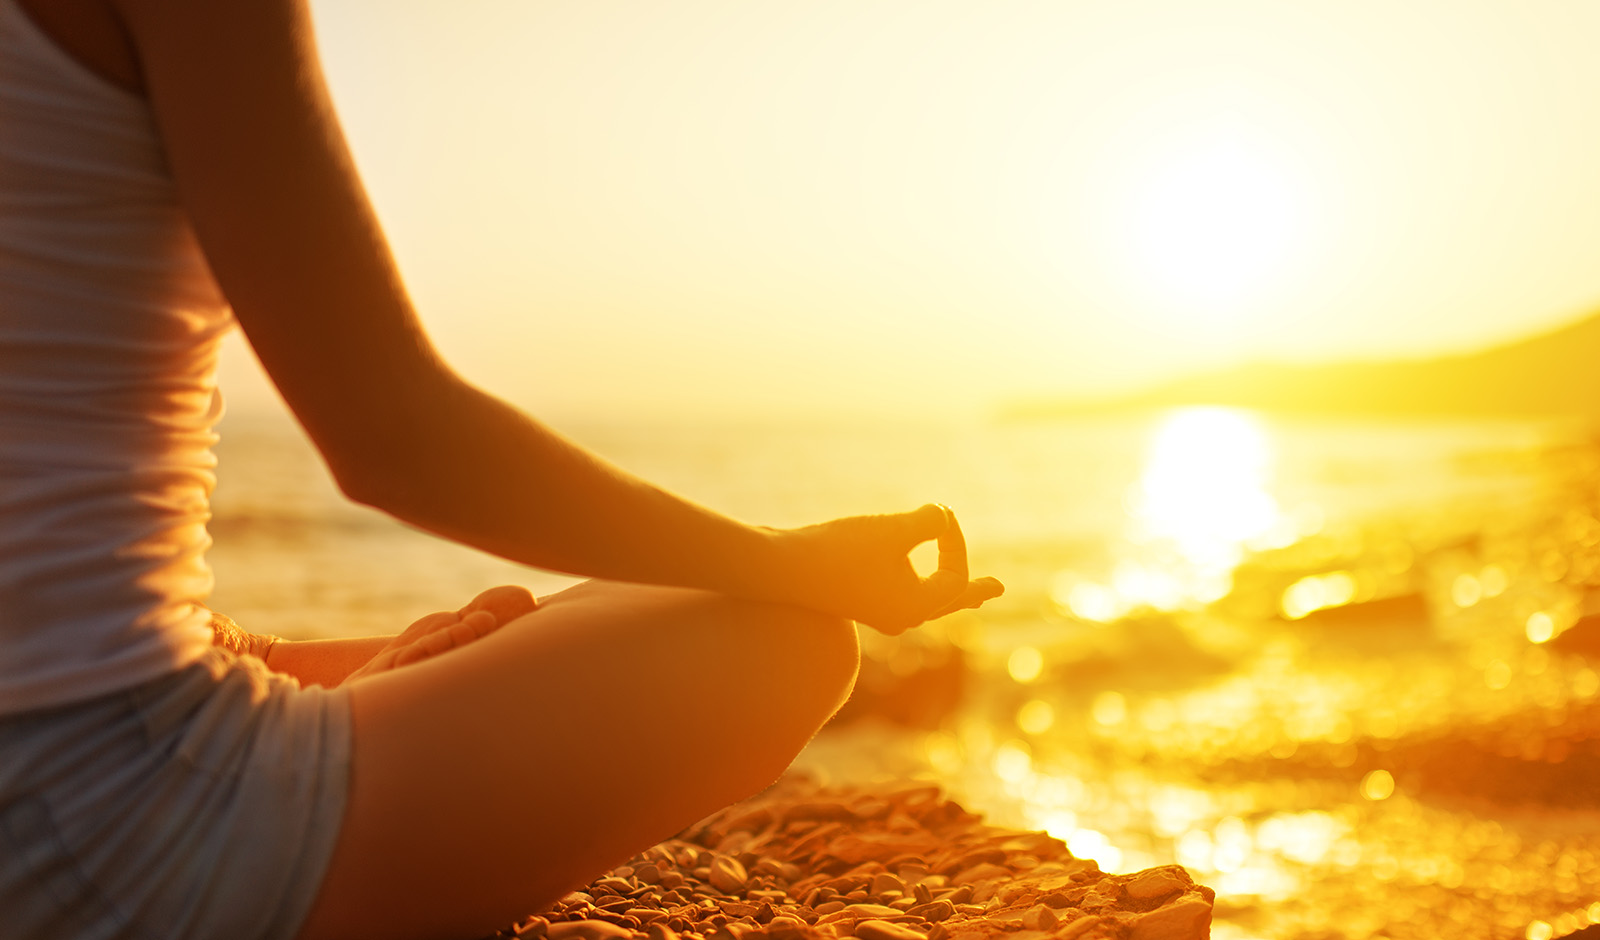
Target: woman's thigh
(495, 778)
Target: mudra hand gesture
(860, 567)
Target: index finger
(953, 547)
(947, 583)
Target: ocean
(1342, 670)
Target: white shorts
(204, 804)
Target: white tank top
(109, 324)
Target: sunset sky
(890, 206)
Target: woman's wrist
(775, 567)
(755, 571)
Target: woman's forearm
(467, 466)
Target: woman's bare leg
(491, 780)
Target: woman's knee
(821, 648)
(762, 678)
(800, 667)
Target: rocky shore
(801, 862)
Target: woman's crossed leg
(487, 782)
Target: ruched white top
(109, 324)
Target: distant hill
(1556, 373)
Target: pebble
(727, 875)
(981, 872)
(1040, 918)
(587, 930)
(1177, 921)
(1153, 883)
(873, 910)
(883, 930)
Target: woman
(169, 167)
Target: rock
(614, 885)
(934, 911)
(973, 857)
(872, 910)
(983, 871)
(844, 884)
(1187, 918)
(1066, 897)
(727, 875)
(1079, 927)
(883, 930)
(887, 882)
(1039, 917)
(1155, 883)
(587, 930)
(855, 847)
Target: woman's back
(109, 320)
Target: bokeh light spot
(1025, 664)
(1036, 717)
(1377, 785)
(1110, 708)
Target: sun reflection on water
(1202, 499)
(1205, 485)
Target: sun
(1207, 227)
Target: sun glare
(1208, 226)
(1206, 484)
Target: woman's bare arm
(265, 174)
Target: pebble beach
(804, 863)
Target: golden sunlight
(1210, 224)
(1204, 485)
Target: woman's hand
(859, 567)
(439, 633)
